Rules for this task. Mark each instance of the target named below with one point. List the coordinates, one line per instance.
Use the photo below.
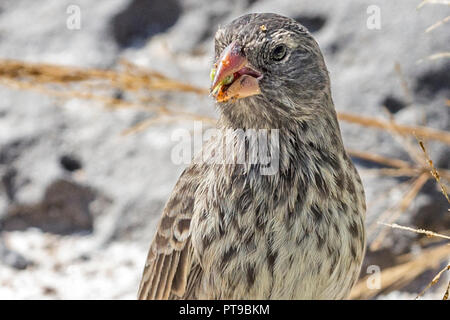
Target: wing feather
(169, 260)
(164, 273)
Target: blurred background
(91, 92)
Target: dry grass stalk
(395, 163)
(402, 168)
(388, 172)
(424, 2)
(132, 78)
(403, 82)
(445, 297)
(434, 281)
(424, 132)
(398, 276)
(434, 171)
(438, 24)
(435, 56)
(73, 94)
(420, 231)
(426, 242)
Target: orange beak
(233, 78)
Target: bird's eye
(279, 52)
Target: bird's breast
(275, 237)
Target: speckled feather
(228, 232)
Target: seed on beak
(226, 81)
(212, 74)
(229, 79)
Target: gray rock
(64, 209)
(13, 259)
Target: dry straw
(396, 277)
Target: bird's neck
(313, 123)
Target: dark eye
(279, 52)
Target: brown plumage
(230, 231)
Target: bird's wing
(169, 261)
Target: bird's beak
(232, 77)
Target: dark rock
(143, 19)
(63, 210)
(432, 214)
(432, 82)
(70, 163)
(312, 23)
(393, 104)
(12, 150)
(8, 182)
(213, 20)
(367, 164)
(49, 291)
(251, 2)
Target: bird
(230, 230)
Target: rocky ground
(79, 201)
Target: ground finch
(232, 231)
